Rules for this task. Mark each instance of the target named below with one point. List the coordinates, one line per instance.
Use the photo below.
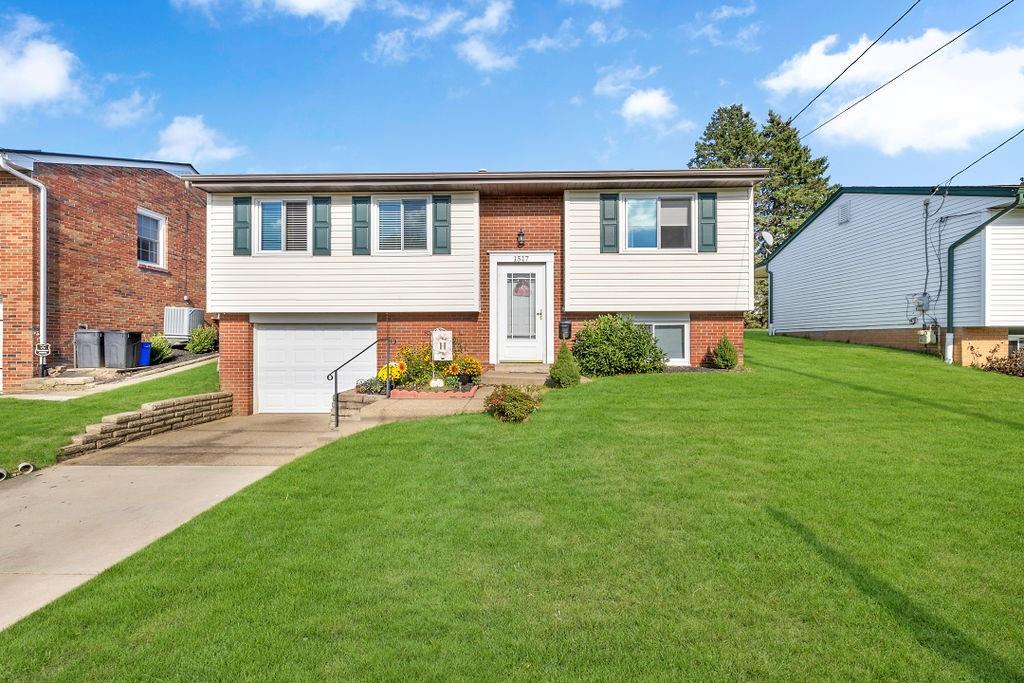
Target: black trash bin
(121, 349)
(88, 349)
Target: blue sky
(378, 85)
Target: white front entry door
(293, 361)
(522, 321)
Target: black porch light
(521, 238)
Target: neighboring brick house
(125, 237)
(899, 266)
(305, 271)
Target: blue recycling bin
(145, 349)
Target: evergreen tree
(731, 140)
(796, 184)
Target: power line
(911, 67)
(968, 166)
(850, 65)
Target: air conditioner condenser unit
(179, 321)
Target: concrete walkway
(63, 525)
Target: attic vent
(844, 213)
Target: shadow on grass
(957, 410)
(929, 630)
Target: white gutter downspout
(42, 251)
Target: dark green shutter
(707, 239)
(321, 226)
(609, 223)
(243, 226)
(442, 224)
(360, 225)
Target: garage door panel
(293, 361)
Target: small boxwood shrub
(203, 339)
(565, 372)
(511, 404)
(615, 345)
(159, 349)
(725, 355)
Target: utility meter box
(927, 336)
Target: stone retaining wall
(151, 418)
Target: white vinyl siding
(343, 282)
(859, 275)
(653, 279)
(1005, 249)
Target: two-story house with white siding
(305, 271)
(930, 269)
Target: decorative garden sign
(441, 345)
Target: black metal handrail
(387, 375)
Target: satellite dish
(767, 238)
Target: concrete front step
(524, 368)
(494, 378)
(351, 403)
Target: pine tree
(731, 140)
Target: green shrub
(565, 372)
(159, 349)
(725, 355)
(203, 339)
(370, 386)
(511, 404)
(615, 345)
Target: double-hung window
(151, 237)
(284, 225)
(658, 222)
(403, 224)
(671, 337)
(1016, 344)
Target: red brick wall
(236, 360)
(707, 329)
(94, 276)
(985, 340)
(19, 273)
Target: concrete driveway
(65, 524)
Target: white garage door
(293, 361)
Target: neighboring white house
(899, 266)
(306, 271)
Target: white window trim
(624, 223)
(257, 218)
(1019, 338)
(162, 248)
(671, 319)
(375, 249)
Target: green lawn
(836, 512)
(35, 430)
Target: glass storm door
(522, 320)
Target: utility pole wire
(833, 81)
(911, 67)
(965, 168)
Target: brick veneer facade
(93, 272)
(986, 341)
(236, 369)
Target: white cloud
(601, 33)
(654, 107)
(603, 5)
(614, 80)
(189, 139)
(565, 39)
(391, 47)
(494, 19)
(330, 11)
(483, 56)
(404, 10)
(948, 103)
(440, 23)
(709, 27)
(129, 110)
(34, 68)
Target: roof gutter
(950, 326)
(42, 251)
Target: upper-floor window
(403, 224)
(151, 238)
(658, 222)
(284, 225)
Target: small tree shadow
(930, 631)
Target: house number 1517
(521, 258)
